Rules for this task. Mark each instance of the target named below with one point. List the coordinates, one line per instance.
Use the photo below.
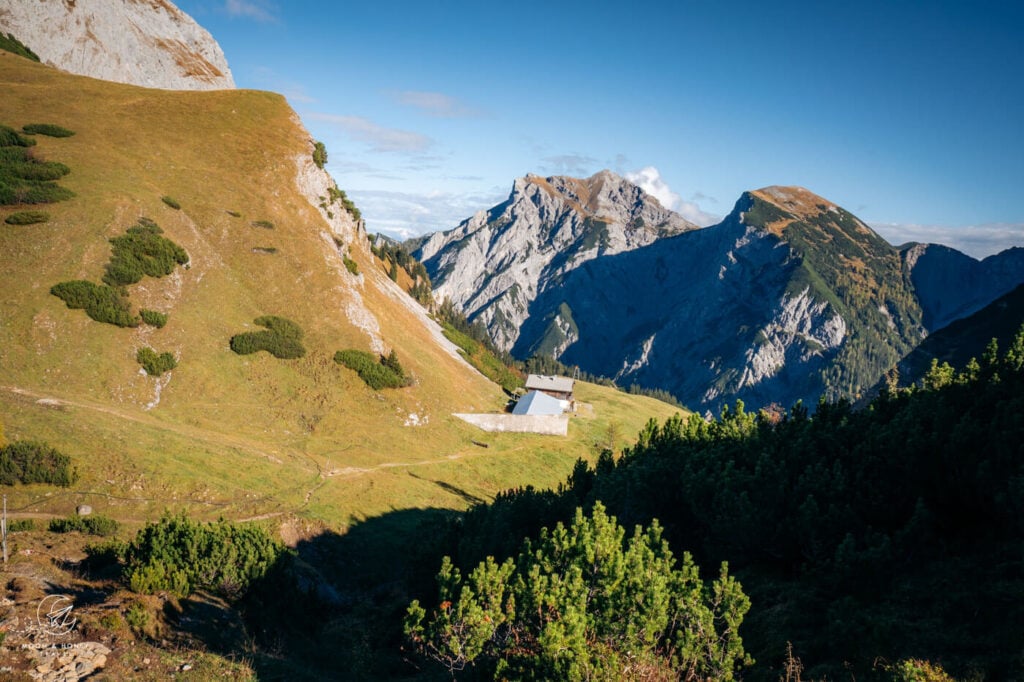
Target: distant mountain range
(965, 338)
(789, 298)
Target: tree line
(890, 533)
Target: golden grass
(239, 436)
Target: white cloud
(649, 180)
(978, 241)
(407, 214)
(250, 9)
(379, 138)
(435, 104)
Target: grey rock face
(494, 265)
(788, 298)
(705, 315)
(150, 43)
(952, 285)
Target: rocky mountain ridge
(952, 285)
(150, 43)
(789, 298)
(494, 265)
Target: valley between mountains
(789, 298)
(228, 432)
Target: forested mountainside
(958, 342)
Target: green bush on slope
(35, 462)
(377, 372)
(282, 339)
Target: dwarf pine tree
(581, 602)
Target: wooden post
(3, 529)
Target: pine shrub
(35, 462)
(155, 364)
(171, 201)
(9, 137)
(282, 339)
(142, 251)
(377, 371)
(101, 302)
(153, 318)
(27, 218)
(11, 44)
(102, 526)
(37, 171)
(24, 179)
(351, 265)
(319, 154)
(179, 555)
(47, 129)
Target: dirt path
(218, 439)
(190, 432)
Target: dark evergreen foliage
(153, 318)
(27, 218)
(581, 603)
(25, 179)
(282, 339)
(378, 372)
(140, 252)
(179, 555)
(339, 195)
(155, 364)
(9, 137)
(94, 524)
(101, 302)
(319, 154)
(891, 532)
(35, 462)
(48, 129)
(11, 44)
(477, 348)
(172, 202)
(395, 256)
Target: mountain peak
(603, 194)
(792, 204)
(793, 199)
(495, 264)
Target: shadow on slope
(334, 609)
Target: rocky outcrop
(75, 661)
(789, 298)
(801, 329)
(495, 264)
(150, 43)
(951, 285)
(707, 315)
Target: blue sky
(909, 114)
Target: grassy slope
(233, 436)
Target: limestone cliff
(150, 43)
(952, 285)
(789, 298)
(494, 265)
